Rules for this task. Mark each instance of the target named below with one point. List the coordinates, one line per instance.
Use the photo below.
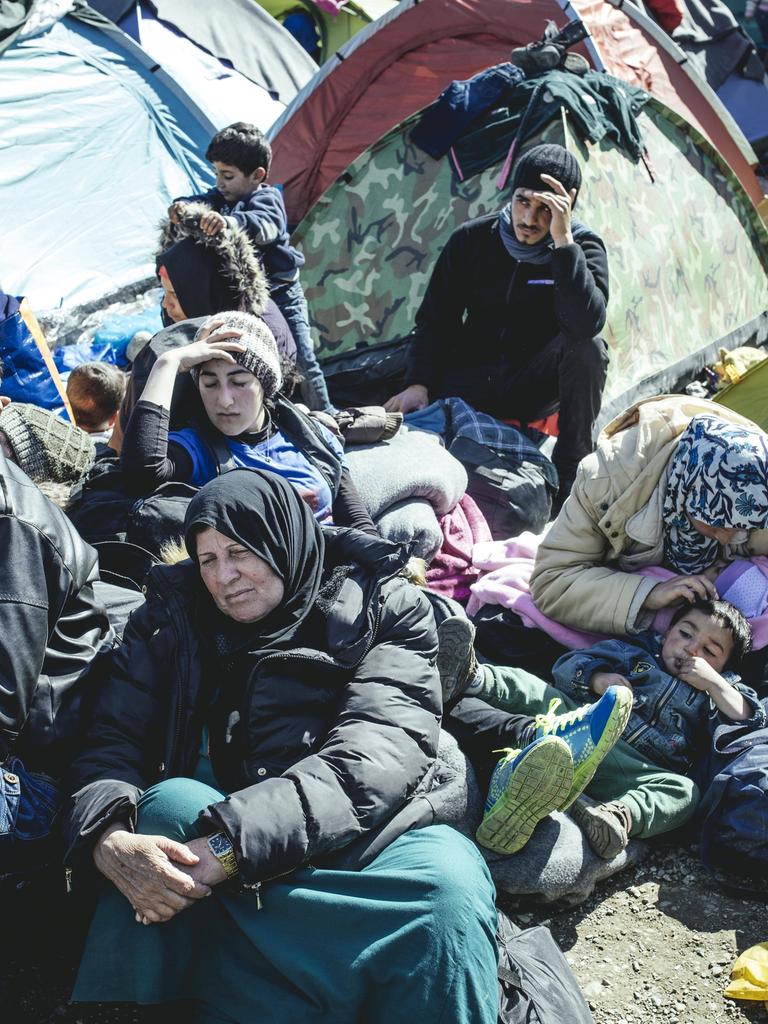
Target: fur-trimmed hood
(233, 257)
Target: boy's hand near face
(699, 674)
(212, 223)
(600, 682)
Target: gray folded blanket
(407, 484)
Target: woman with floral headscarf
(674, 481)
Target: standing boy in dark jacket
(512, 313)
(241, 156)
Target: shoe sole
(614, 727)
(537, 787)
(607, 839)
(454, 636)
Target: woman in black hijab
(293, 669)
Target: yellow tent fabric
(749, 395)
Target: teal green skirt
(411, 937)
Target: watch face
(219, 845)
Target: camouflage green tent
(688, 252)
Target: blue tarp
(93, 146)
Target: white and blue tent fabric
(95, 141)
(232, 58)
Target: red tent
(401, 63)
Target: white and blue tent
(97, 135)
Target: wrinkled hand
(414, 397)
(152, 872)
(208, 870)
(212, 223)
(698, 673)
(175, 210)
(600, 682)
(679, 590)
(559, 203)
(203, 351)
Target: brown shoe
(606, 826)
(456, 661)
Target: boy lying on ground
(679, 694)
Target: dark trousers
(572, 374)
(482, 731)
(567, 373)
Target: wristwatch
(220, 846)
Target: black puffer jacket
(338, 739)
(51, 626)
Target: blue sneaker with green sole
(590, 732)
(525, 787)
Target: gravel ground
(654, 945)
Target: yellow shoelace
(552, 722)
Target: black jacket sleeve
(123, 748)
(378, 750)
(580, 273)
(146, 458)
(441, 313)
(349, 508)
(51, 631)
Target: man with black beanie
(512, 313)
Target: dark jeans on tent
(566, 372)
(290, 299)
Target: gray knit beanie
(46, 447)
(261, 357)
(549, 158)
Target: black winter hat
(548, 158)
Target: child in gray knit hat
(45, 446)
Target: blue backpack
(733, 815)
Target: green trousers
(411, 937)
(658, 800)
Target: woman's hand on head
(204, 350)
(679, 590)
(152, 872)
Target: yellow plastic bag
(749, 975)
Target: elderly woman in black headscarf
(250, 786)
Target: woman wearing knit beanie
(243, 422)
(511, 317)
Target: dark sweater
(484, 312)
(262, 216)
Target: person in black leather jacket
(52, 629)
(268, 732)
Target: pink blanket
(451, 570)
(507, 566)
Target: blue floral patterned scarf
(718, 475)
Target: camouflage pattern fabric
(688, 253)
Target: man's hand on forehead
(559, 203)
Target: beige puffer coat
(611, 523)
